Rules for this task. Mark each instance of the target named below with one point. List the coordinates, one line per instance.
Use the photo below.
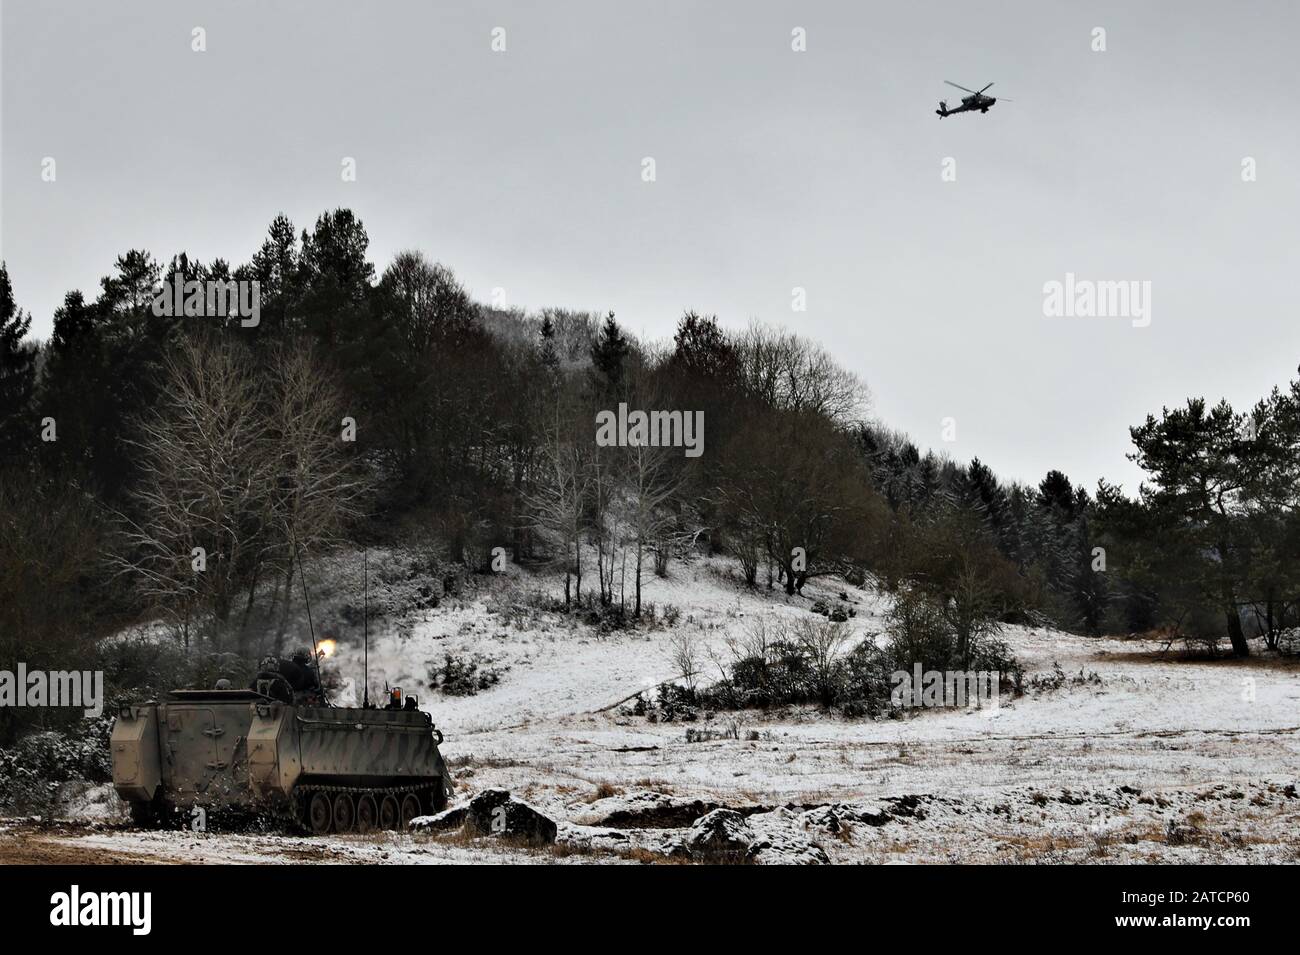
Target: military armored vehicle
(279, 749)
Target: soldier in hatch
(295, 679)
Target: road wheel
(367, 813)
(410, 809)
(345, 813)
(389, 813)
(319, 813)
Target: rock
(651, 810)
(780, 839)
(787, 851)
(824, 818)
(772, 838)
(494, 812)
(720, 832)
(94, 804)
(447, 819)
(588, 838)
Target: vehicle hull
(238, 750)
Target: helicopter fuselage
(968, 103)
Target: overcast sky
(775, 169)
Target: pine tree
(276, 268)
(1055, 493)
(550, 357)
(17, 374)
(1201, 467)
(608, 359)
(337, 280)
(77, 325)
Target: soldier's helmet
(222, 684)
(302, 656)
(269, 664)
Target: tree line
(380, 407)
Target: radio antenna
(315, 653)
(365, 617)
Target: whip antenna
(315, 653)
(365, 617)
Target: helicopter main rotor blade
(986, 88)
(951, 83)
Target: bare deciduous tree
(556, 507)
(319, 491)
(236, 472)
(789, 373)
(202, 504)
(685, 656)
(823, 643)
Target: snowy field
(1137, 757)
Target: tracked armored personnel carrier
(266, 751)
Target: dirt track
(31, 846)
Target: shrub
(460, 677)
(32, 770)
(677, 703)
(777, 662)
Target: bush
(866, 684)
(32, 770)
(677, 704)
(920, 634)
(778, 662)
(459, 677)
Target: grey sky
(775, 169)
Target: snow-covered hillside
(1134, 756)
(553, 665)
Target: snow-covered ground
(1153, 758)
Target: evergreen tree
(17, 375)
(275, 267)
(1200, 467)
(1056, 494)
(549, 356)
(337, 282)
(105, 365)
(608, 360)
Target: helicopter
(976, 101)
